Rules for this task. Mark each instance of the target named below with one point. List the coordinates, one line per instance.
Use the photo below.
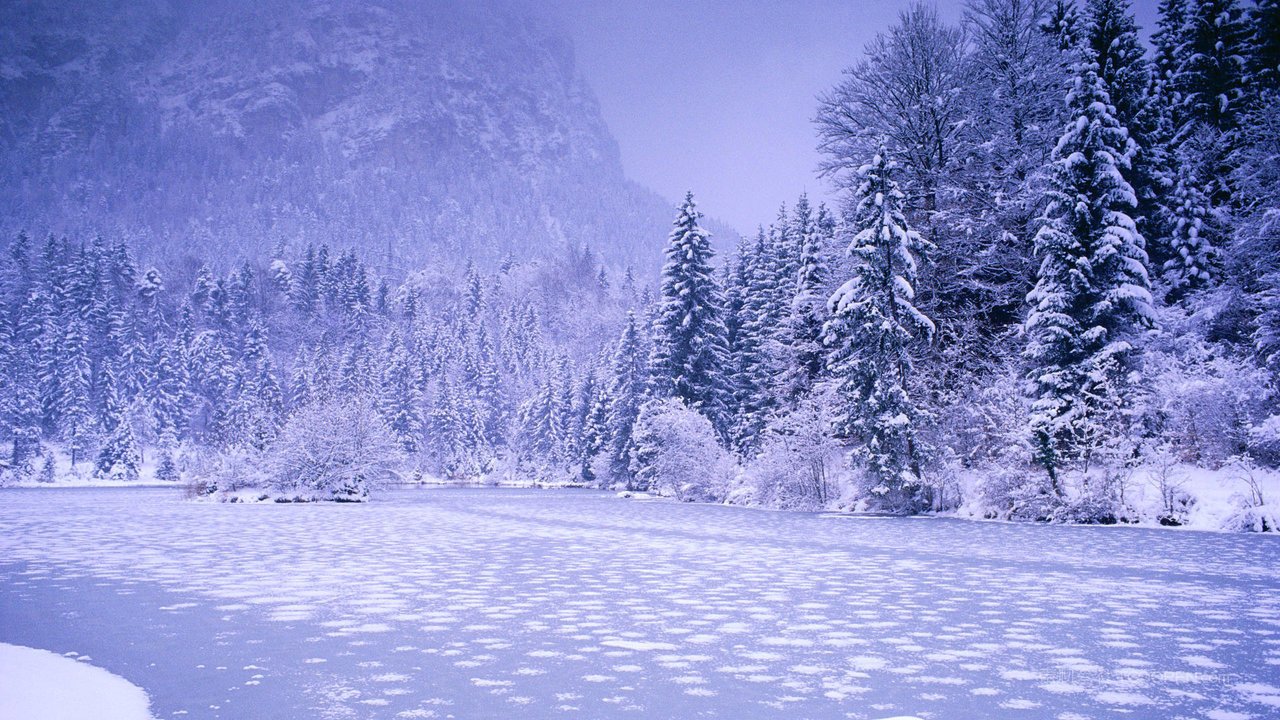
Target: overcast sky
(717, 96)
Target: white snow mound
(40, 684)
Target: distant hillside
(412, 130)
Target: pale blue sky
(717, 95)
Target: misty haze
(571, 359)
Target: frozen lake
(575, 604)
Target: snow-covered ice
(525, 603)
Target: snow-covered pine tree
(480, 377)
(1092, 291)
(1264, 45)
(1063, 24)
(1191, 241)
(400, 396)
(22, 408)
(23, 317)
(258, 405)
(591, 406)
(564, 406)
(542, 424)
(1212, 74)
(213, 379)
(118, 459)
(1112, 35)
(873, 325)
(800, 334)
(626, 393)
(1168, 41)
(689, 339)
(74, 411)
(751, 380)
(473, 301)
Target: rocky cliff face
(413, 130)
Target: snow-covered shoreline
(1213, 505)
(38, 684)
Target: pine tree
(400, 396)
(625, 395)
(74, 412)
(258, 404)
(473, 302)
(1264, 45)
(1169, 42)
(1193, 252)
(1063, 25)
(1091, 294)
(689, 346)
(480, 377)
(874, 322)
(304, 291)
(1212, 75)
(118, 459)
(1123, 70)
(22, 408)
(801, 330)
(752, 373)
(595, 428)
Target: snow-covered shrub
(1203, 398)
(677, 454)
(987, 450)
(1010, 492)
(236, 468)
(336, 450)
(1253, 514)
(795, 467)
(1169, 480)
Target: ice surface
(514, 603)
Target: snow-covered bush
(236, 468)
(1010, 492)
(1203, 398)
(796, 465)
(1253, 513)
(677, 454)
(1169, 481)
(336, 450)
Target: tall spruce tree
(1212, 75)
(1092, 291)
(1112, 36)
(873, 325)
(1191, 235)
(626, 393)
(1264, 45)
(74, 412)
(400, 396)
(118, 458)
(689, 338)
(801, 332)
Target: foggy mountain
(411, 131)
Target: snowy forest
(1051, 285)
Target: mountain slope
(413, 130)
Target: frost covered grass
(514, 603)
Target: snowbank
(40, 684)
